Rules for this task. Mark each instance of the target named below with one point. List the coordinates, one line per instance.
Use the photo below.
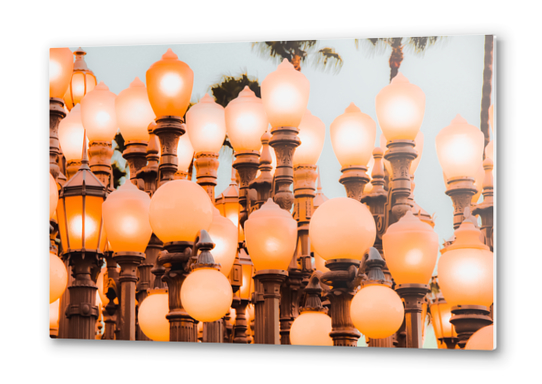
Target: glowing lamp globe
(60, 71)
(206, 125)
(100, 284)
(441, 313)
(206, 294)
(185, 153)
(285, 95)
(58, 277)
(460, 148)
(53, 196)
(246, 121)
(169, 85)
(411, 250)
(400, 107)
(377, 311)
(178, 210)
(465, 270)
(482, 339)
(54, 314)
(126, 219)
(342, 228)
(312, 133)
(82, 80)
(489, 151)
(71, 134)
(224, 235)
(134, 112)
(271, 237)
(98, 114)
(352, 136)
(311, 328)
(152, 315)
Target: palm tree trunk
(296, 62)
(486, 88)
(396, 56)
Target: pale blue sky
(450, 74)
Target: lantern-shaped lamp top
(169, 84)
(271, 237)
(179, 209)
(60, 71)
(353, 135)
(400, 107)
(82, 80)
(411, 250)
(441, 313)
(246, 121)
(134, 112)
(312, 133)
(342, 228)
(126, 219)
(285, 95)
(206, 125)
(98, 114)
(460, 148)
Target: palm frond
(418, 45)
(373, 46)
(327, 58)
(229, 87)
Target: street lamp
(271, 236)
(70, 135)
(82, 80)
(126, 221)
(341, 231)
(152, 315)
(441, 312)
(225, 237)
(134, 114)
(58, 277)
(99, 118)
(460, 148)
(169, 86)
(206, 127)
(353, 135)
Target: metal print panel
(315, 192)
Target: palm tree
(416, 44)
(301, 51)
(486, 87)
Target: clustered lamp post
(79, 214)
(169, 86)
(341, 231)
(352, 136)
(60, 71)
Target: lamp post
(100, 121)
(242, 298)
(126, 213)
(60, 71)
(134, 114)
(271, 236)
(206, 127)
(352, 136)
(460, 148)
(169, 86)
(341, 231)
(80, 224)
(179, 209)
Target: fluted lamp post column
(285, 95)
(126, 213)
(352, 135)
(79, 213)
(169, 86)
(411, 250)
(179, 209)
(60, 72)
(460, 147)
(465, 275)
(271, 236)
(206, 127)
(341, 231)
(100, 121)
(400, 107)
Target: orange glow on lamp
(342, 228)
(169, 85)
(82, 80)
(53, 196)
(246, 121)
(481, 340)
(312, 133)
(411, 250)
(60, 71)
(70, 135)
(400, 107)
(152, 315)
(185, 153)
(224, 235)
(134, 112)
(206, 125)
(98, 114)
(441, 313)
(285, 95)
(311, 328)
(58, 277)
(271, 237)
